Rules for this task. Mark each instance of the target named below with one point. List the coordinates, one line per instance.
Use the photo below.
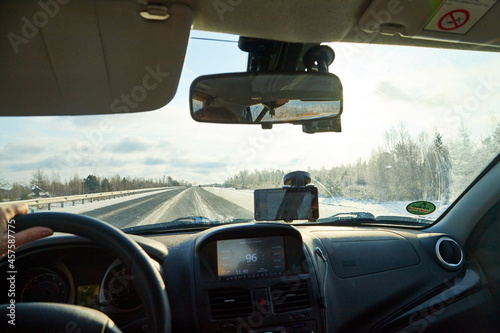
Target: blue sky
(427, 90)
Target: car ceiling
(345, 21)
(62, 57)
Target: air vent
(290, 296)
(449, 253)
(230, 303)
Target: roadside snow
(244, 198)
(332, 205)
(389, 208)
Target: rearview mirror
(266, 98)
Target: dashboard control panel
(250, 258)
(254, 278)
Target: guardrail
(82, 197)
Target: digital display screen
(88, 296)
(250, 257)
(286, 204)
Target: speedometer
(45, 286)
(118, 290)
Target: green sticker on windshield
(421, 208)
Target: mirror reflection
(252, 98)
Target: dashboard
(81, 274)
(266, 277)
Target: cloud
(32, 165)
(391, 92)
(197, 166)
(12, 150)
(154, 161)
(128, 145)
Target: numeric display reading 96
(250, 258)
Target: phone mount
(302, 179)
(297, 179)
(297, 200)
(266, 55)
(318, 58)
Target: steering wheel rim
(147, 279)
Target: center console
(255, 278)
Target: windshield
(418, 126)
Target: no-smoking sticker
(454, 19)
(459, 16)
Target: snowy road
(214, 203)
(162, 206)
(197, 201)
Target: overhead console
(453, 21)
(255, 277)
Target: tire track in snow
(130, 212)
(196, 201)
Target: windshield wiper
(181, 223)
(360, 218)
(347, 217)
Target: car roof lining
(94, 57)
(340, 21)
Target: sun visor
(457, 21)
(62, 57)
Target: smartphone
(287, 204)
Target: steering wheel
(52, 317)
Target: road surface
(220, 204)
(163, 206)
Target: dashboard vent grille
(449, 253)
(290, 296)
(230, 303)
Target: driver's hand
(7, 212)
